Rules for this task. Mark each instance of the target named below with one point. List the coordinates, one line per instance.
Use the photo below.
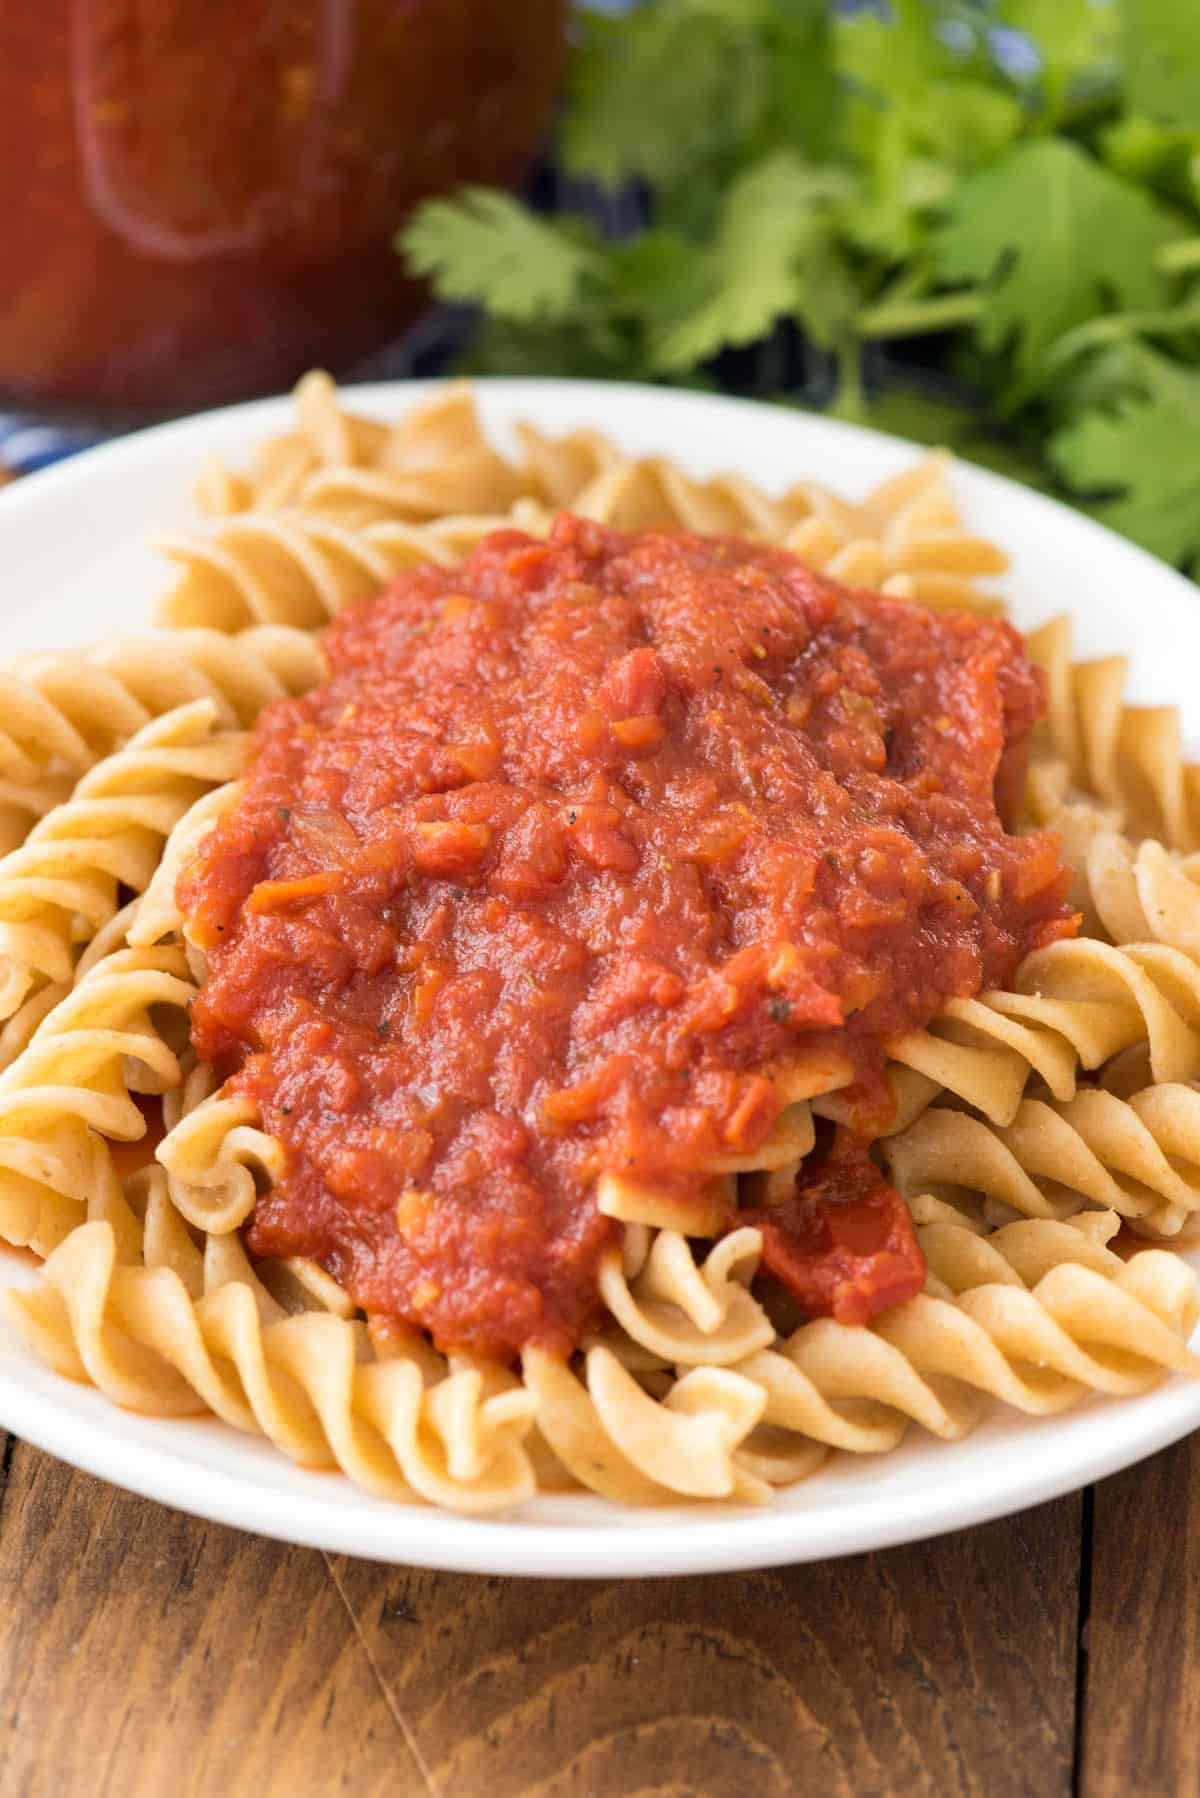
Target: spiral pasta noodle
(340, 504)
(214, 1154)
(1069, 1011)
(684, 1315)
(302, 1381)
(1142, 894)
(297, 569)
(1126, 757)
(1139, 1157)
(65, 712)
(1077, 1005)
(436, 461)
(157, 915)
(63, 884)
(616, 1439)
(1036, 1315)
(906, 537)
(74, 1087)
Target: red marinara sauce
(843, 1242)
(583, 844)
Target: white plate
(76, 565)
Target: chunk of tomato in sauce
(843, 1243)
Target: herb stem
(911, 283)
(1101, 333)
(916, 317)
(850, 400)
(1179, 258)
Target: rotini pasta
(1142, 895)
(65, 882)
(139, 1335)
(1078, 1005)
(297, 569)
(157, 915)
(1135, 1156)
(214, 1154)
(435, 462)
(65, 712)
(1033, 1122)
(615, 1439)
(1036, 1315)
(684, 1314)
(1128, 758)
(906, 538)
(114, 1036)
(342, 503)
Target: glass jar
(199, 196)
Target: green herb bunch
(1018, 180)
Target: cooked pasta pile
(1040, 1132)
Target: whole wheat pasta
(1030, 1123)
(65, 712)
(341, 503)
(65, 881)
(1125, 757)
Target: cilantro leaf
(830, 295)
(802, 98)
(1073, 39)
(874, 169)
(893, 54)
(918, 111)
(1144, 452)
(1056, 237)
(658, 278)
(652, 92)
(967, 122)
(751, 271)
(685, 93)
(486, 247)
(1163, 157)
(1161, 46)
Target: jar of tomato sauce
(199, 196)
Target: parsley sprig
(1017, 181)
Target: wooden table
(144, 1654)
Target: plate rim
(729, 1540)
(718, 1540)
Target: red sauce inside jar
(584, 847)
(200, 199)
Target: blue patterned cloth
(27, 443)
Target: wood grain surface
(1139, 1727)
(143, 1653)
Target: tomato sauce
(843, 1243)
(585, 847)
